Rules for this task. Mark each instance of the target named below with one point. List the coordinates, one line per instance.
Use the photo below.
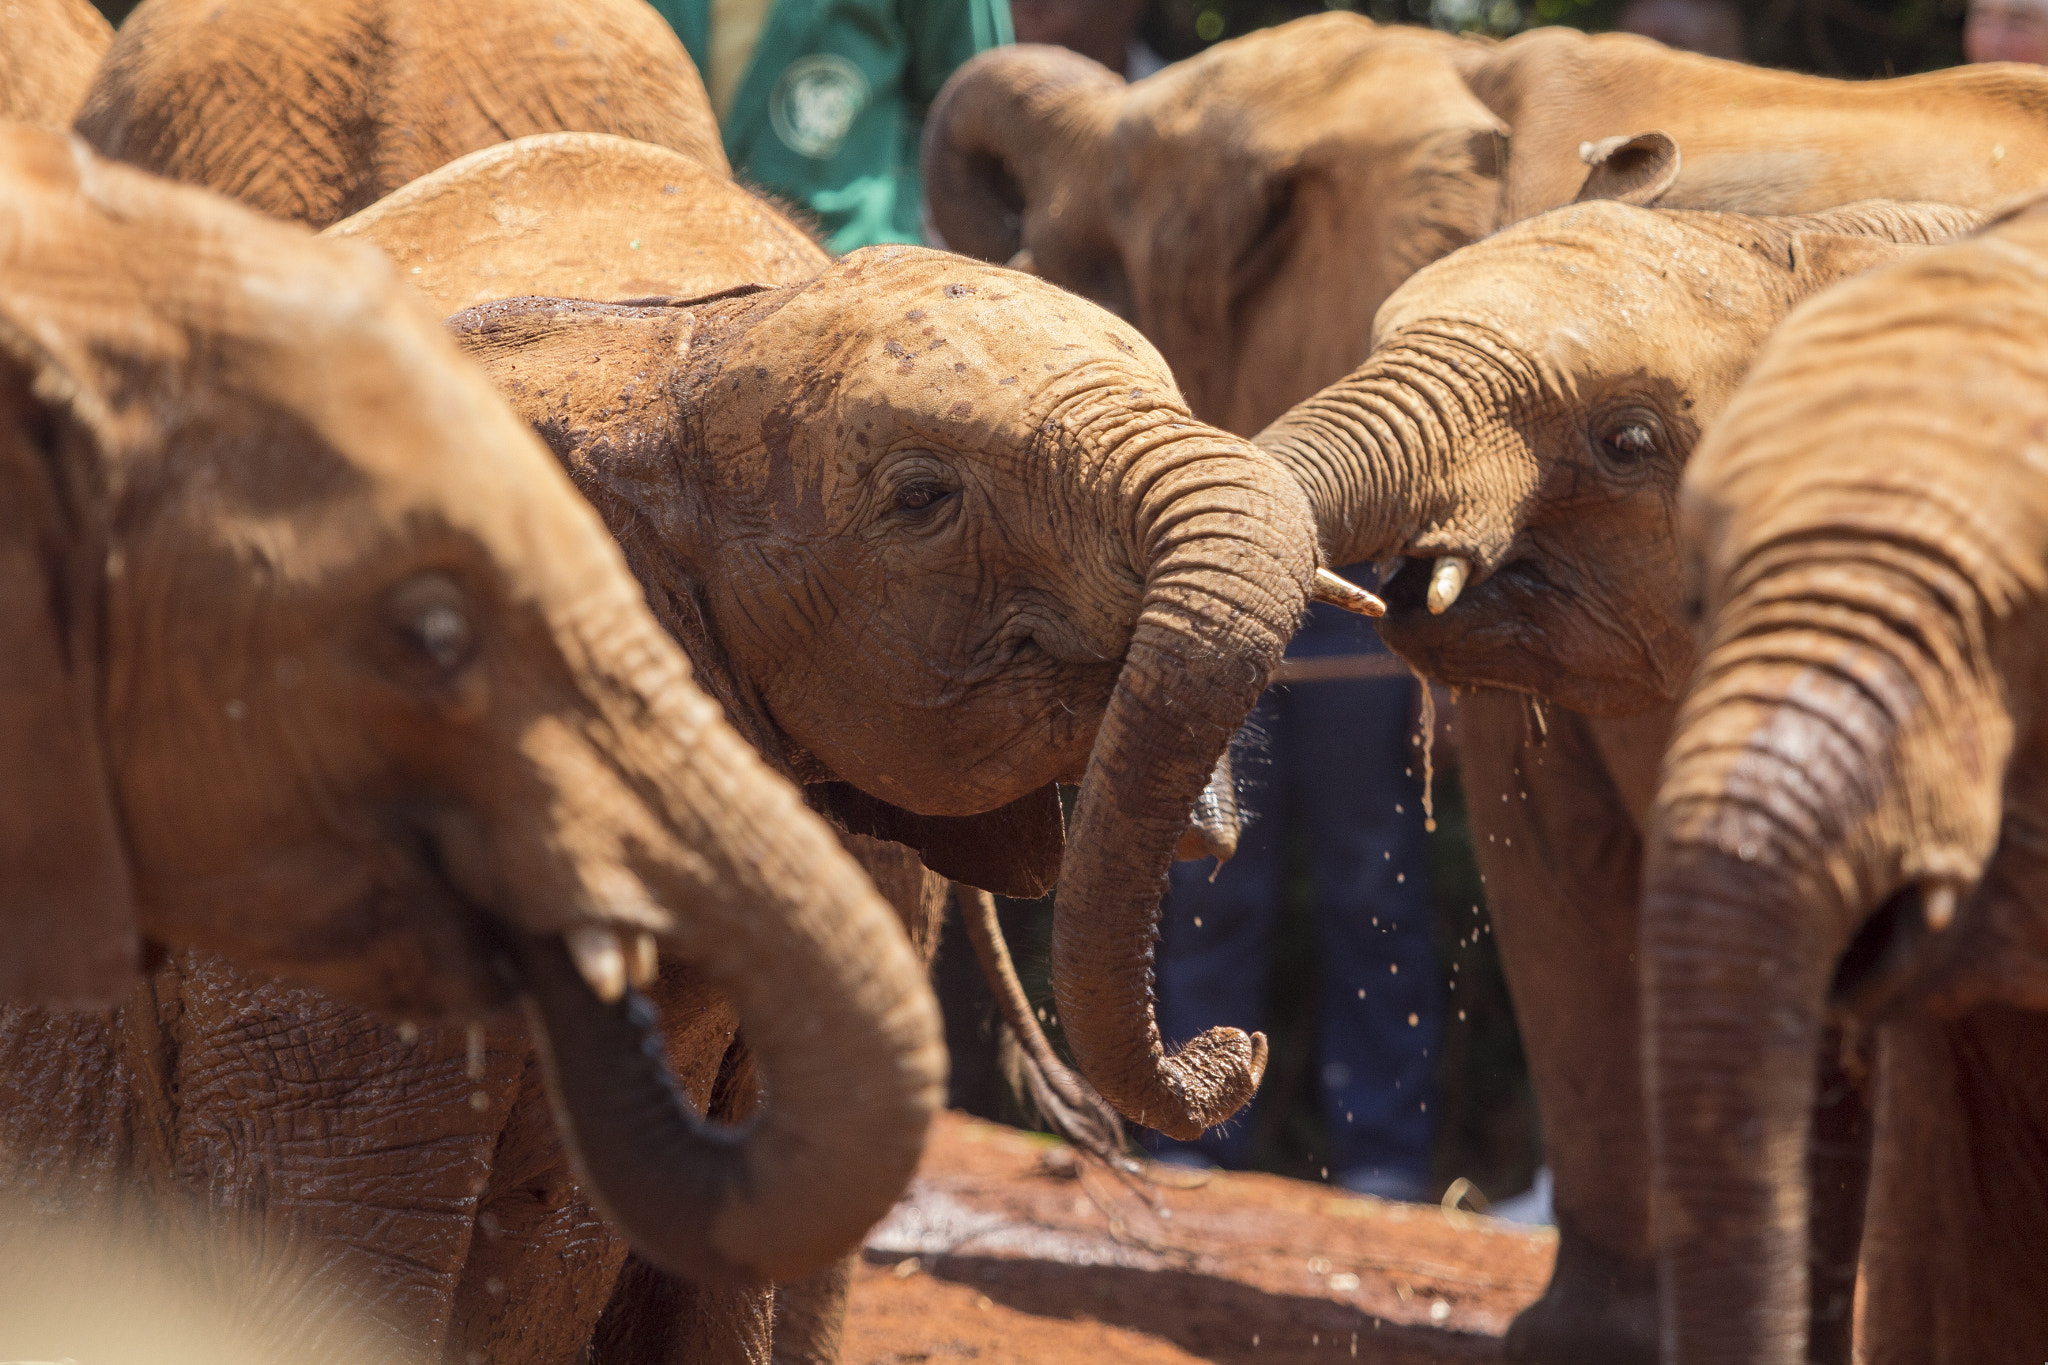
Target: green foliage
(1856, 38)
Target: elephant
(920, 590)
(312, 109)
(641, 222)
(316, 659)
(1845, 826)
(48, 52)
(1511, 454)
(1251, 207)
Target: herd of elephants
(464, 557)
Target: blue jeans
(1333, 760)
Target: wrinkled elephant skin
(315, 657)
(972, 511)
(1251, 207)
(1528, 411)
(313, 109)
(840, 538)
(1848, 820)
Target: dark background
(1831, 37)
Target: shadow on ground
(1210, 1318)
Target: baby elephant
(1512, 450)
(310, 654)
(1851, 819)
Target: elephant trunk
(1807, 830)
(1007, 136)
(832, 1000)
(1373, 452)
(1735, 1022)
(1228, 563)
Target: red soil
(1006, 1252)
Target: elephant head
(1247, 209)
(314, 657)
(1511, 451)
(942, 536)
(1849, 815)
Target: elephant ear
(1020, 136)
(1014, 850)
(1632, 170)
(1820, 259)
(68, 934)
(1837, 243)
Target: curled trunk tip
(1232, 562)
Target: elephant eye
(431, 616)
(443, 635)
(1630, 442)
(921, 497)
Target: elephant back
(48, 50)
(581, 216)
(313, 109)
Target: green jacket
(832, 106)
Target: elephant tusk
(1938, 906)
(1446, 581)
(643, 962)
(599, 959)
(1338, 593)
(1023, 261)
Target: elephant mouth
(1442, 636)
(1515, 627)
(1899, 961)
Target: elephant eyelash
(1631, 442)
(430, 617)
(920, 498)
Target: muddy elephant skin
(636, 401)
(1247, 209)
(581, 216)
(820, 487)
(1524, 420)
(816, 483)
(315, 658)
(312, 109)
(1848, 822)
(48, 52)
(1251, 207)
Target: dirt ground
(1005, 1252)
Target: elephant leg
(917, 896)
(810, 1316)
(1956, 1261)
(656, 1319)
(1839, 1177)
(1562, 854)
(1558, 842)
(542, 1261)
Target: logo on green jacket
(815, 103)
